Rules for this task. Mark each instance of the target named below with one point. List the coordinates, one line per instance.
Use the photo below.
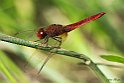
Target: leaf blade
(113, 58)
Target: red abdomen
(84, 21)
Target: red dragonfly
(56, 30)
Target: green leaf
(113, 58)
(10, 71)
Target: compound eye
(40, 33)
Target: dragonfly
(56, 31)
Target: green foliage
(10, 71)
(113, 58)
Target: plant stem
(98, 72)
(85, 60)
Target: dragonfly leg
(45, 41)
(59, 39)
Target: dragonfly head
(41, 33)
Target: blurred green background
(103, 36)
